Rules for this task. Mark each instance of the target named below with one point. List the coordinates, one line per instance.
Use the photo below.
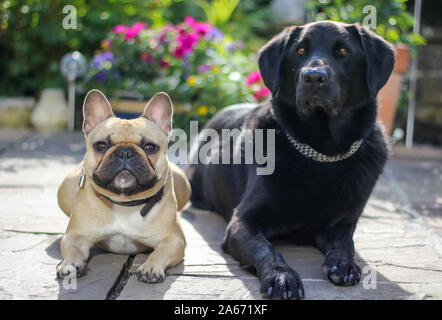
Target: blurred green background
(33, 40)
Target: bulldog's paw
(71, 270)
(149, 273)
(282, 284)
(342, 271)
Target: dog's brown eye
(100, 146)
(300, 50)
(343, 51)
(150, 148)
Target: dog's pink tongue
(124, 179)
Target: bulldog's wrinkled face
(325, 66)
(126, 158)
(126, 154)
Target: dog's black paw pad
(283, 285)
(149, 277)
(343, 273)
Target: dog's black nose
(315, 77)
(125, 153)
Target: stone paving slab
(43, 159)
(28, 263)
(9, 137)
(410, 270)
(31, 209)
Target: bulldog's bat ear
(160, 110)
(96, 108)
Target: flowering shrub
(194, 62)
(256, 86)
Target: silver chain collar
(311, 153)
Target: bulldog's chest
(127, 232)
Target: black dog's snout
(125, 153)
(315, 77)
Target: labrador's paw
(282, 284)
(341, 270)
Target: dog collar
(149, 202)
(311, 153)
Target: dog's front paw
(71, 270)
(149, 273)
(342, 271)
(282, 284)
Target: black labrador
(329, 147)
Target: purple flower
(215, 34)
(99, 60)
(185, 64)
(101, 76)
(204, 67)
(102, 62)
(236, 45)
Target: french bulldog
(125, 194)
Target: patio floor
(398, 238)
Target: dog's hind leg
(67, 191)
(181, 186)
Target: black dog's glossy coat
(311, 202)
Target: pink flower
(178, 53)
(190, 20)
(164, 31)
(262, 93)
(253, 77)
(135, 29)
(130, 32)
(120, 28)
(186, 41)
(201, 28)
(164, 63)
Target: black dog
(324, 78)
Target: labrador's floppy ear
(159, 109)
(379, 57)
(271, 56)
(96, 108)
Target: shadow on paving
(41, 149)
(307, 261)
(102, 274)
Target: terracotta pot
(388, 96)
